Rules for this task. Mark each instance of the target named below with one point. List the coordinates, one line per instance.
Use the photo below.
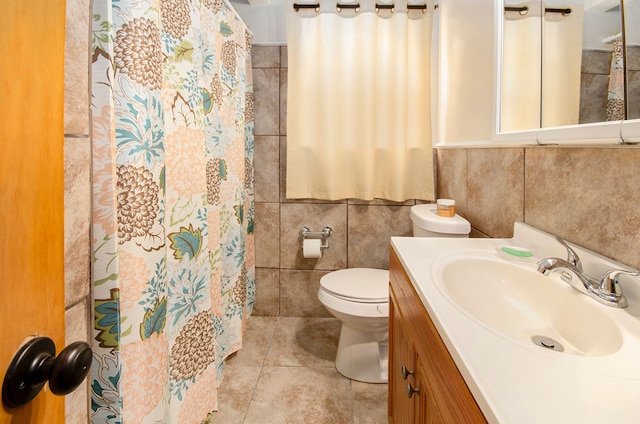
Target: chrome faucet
(572, 256)
(607, 290)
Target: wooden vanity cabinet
(425, 385)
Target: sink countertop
(517, 382)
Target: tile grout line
(262, 364)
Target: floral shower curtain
(173, 248)
(615, 93)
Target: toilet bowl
(359, 298)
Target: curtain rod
(356, 6)
(523, 10)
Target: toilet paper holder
(323, 235)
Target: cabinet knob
(411, 390)
(406, 372)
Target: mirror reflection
(561, 63)
(562, 48)
(632, 41)
(521, 57)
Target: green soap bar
(517, 252)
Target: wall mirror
(632, 43)
(561, 63)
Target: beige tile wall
(589, 196)
(77, 176)
(594, 85)
(633, 81)
(286, 282)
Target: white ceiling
(265, 19)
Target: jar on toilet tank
(446, 208)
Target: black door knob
(36, 362)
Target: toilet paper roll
(311, 248)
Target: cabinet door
(427, 411)
(444, 397)
(401, 363)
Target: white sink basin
(524, 306)
(487, 307)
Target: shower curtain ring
(355, 7)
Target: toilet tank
(427, 223)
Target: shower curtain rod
(523, 10)
(356, 6)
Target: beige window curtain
(561, 63)
(358, 102)
(521, 58)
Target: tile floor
(285, 374)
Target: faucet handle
(610, 285)
(572, 256)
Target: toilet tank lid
(426, 216)
(361, 284)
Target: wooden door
(31, 188)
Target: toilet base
(363, 356)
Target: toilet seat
(359, 285)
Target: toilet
(359, 298)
